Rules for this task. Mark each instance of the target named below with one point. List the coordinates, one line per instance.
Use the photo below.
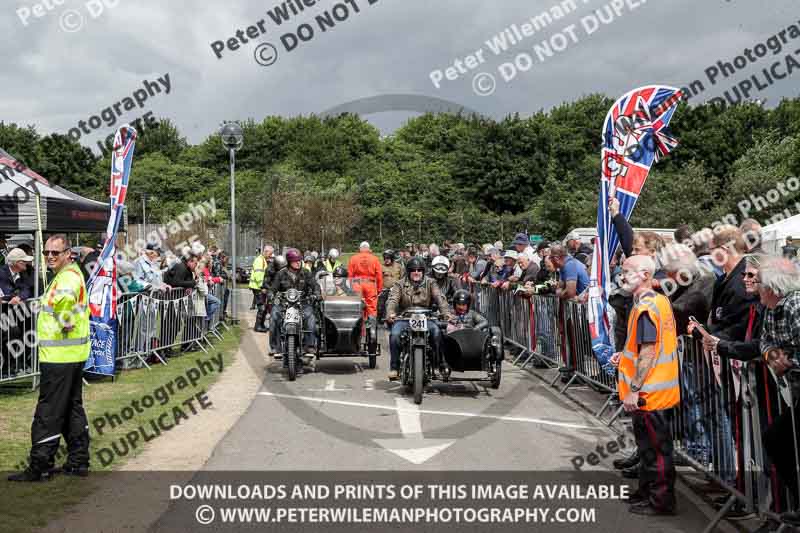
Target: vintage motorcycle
(292, 331)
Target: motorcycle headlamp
(292, 296)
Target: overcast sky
(72, 62)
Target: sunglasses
(749, 275)
(417, 270)
(53, 253)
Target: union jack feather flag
(635, 136)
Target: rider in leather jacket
(294, 276)
(465, 316)
(414, 290)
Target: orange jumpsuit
(366, 275)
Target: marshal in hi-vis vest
(64, 302)
(259, 269)
(661, 388)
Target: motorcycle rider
(330, 264)
(414, 290)
(440, 267)
(296, 277)
(340, 282)
(464, 316)
(277, 264)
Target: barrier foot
(605, 405)
(85, 383)
(144, 362)
(616, 415)
(161, 359)
(719, 516)
(558, 375)
(573, 378)
(522, 353)
(216, 334)
(200, 344)
(528, 360)
(210, 345)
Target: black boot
(632, 460)
(27, 475)
(260, 327)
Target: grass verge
(27, 506)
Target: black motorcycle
(416, 355)
(292, 331)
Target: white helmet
(333, 254)
(440, 264)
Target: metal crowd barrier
(150, 324)
(18, 348)
(726, 406)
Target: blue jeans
(434, 338)
(276, 326)
(212, 304)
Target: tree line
(308, 179)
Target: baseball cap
(17, 255)
(512, 254)
(572, 236)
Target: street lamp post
(144, 217)
(232, 139)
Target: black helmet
(462, 297)
(388, 254)
(415, 263)
(340, 272)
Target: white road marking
(410, 417)
(413, 447)
(330, 385)
(431, 411)
(369, 384)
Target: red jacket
(365, 266)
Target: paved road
(346, 417)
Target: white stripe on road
(410, 417)
(429, 411)
(330, 385)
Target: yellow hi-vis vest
(661, 388)
(65, 301)
(257, 275)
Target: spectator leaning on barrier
(573, 276)
(779, 291)
(649, 386)
(476, 266)
(62, 331)
(507, 270)
(522, 245)
(576, 246)
(730, 304)
(16, 281)
(528, 270)
(147, 267)
(494, 258)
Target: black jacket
(302, 280)
(179, 275)
(692, 300)
(472, 320)
(625, 234)
(730, 306)
(448, 286)
(23, 287)
(745, 350)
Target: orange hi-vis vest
(661, 387)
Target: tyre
(419, 374)
(291, 361)
(498, 372)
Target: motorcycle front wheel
(419, 374)
(292, 358)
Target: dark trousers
(59, 411)
(656, 468)
(780, 445)
(434, 339)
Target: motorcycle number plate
(292, 316)
(418, 323)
